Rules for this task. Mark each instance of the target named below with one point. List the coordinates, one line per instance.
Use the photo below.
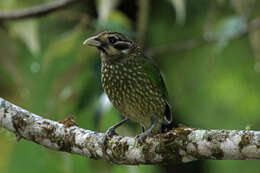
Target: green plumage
(133, 82)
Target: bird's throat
(102, 49)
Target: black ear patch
(121, 45)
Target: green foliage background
(45, 68)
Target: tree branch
(36, 11)
(179, 145)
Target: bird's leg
(146, 133)
(111, 131)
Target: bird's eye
(112, 40)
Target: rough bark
(179, 145)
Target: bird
(133, 83)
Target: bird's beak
(92, 41)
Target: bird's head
(113, 45)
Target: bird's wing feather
(156, 78)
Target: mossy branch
(177, 146)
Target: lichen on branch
(180, 145)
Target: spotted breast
(131, 91)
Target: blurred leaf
(180, 9)
(120, 18)
(6, 146)
(243, 8)
(221, 1)
(118, 22)
(47, 162)
(104, 105)
(105, 7)
(226, 29)
(111, 19)
(233, 166)
(61, 47)
(27, 31)
(229, 27)
(8, 4)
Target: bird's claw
(141, 137)
(111, 132)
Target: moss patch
(245, 140)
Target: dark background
(208, 52)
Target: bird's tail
(167, 127)
(168, 120)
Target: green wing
(155, 76)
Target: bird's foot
(109, 134)
(141, 137)
(112, 132)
